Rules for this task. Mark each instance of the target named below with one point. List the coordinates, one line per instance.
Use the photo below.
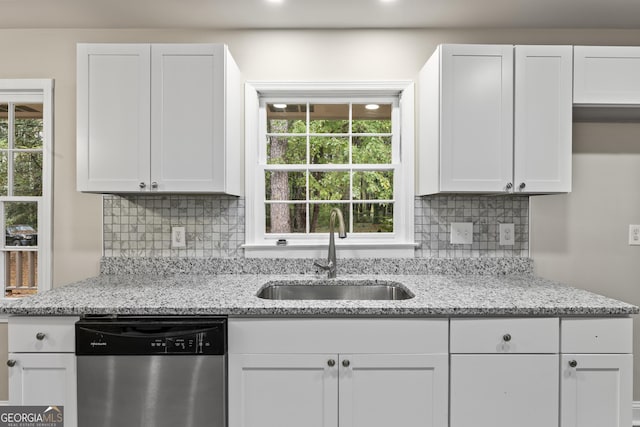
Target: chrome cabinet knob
(11, 363)
(142, 185)
(154, 185)
(509, 185)
(522, 185)
(506, 337)
(331, 362)
(40, 336)
(573, 363)
(346, 363)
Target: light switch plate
(507, 234)
(634, 235)
(178, 237)
(461, 233)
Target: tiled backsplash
(140, 226)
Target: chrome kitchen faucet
(331, 267)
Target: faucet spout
(332, 267)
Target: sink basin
(334, 290)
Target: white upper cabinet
(543, 119)
(606, 75)
(473, 136)
(159, 118)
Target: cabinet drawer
(504, 335)
(42, 334)
(597, 335)
(268, 335)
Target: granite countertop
(235, 295)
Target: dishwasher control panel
(149, 336)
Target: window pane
(28, 128)
(376, 185)
(22, 269)
(27, 174)
(286, 150)
(320, 214)
(329, 150)
(4, 126)
(372, 217)
(286, 218)
(329, 186)
(367, 119)
(372, 150)
(329, 118)
(21, 219)
(283, 185)
(284, 118)
(4, 168)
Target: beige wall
(579, 238)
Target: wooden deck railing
(21, 272)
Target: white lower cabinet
(285, 390)
(43, 379)
(338, 388)
(596, 374)
(504, 390)
(596, 390)
(381, 390)
(42, 363)
(504, 372)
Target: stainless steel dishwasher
(151, 372)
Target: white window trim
(401, 244)
(43, 87)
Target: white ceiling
(227, 14)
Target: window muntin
(320, 154)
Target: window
(25, 192)
(316, 148)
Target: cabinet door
(187, 110)
(606, 75)
(393, 390)
(543, 118)
(504, 390)
(284, 390)
(597, 391)
(44, 379)
(113, 128)
(477, 118)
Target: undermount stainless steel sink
(334, 290)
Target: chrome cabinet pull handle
(40, 336)
(142, 185)
(506, 337)
(11, 363)
(346, 363)
(573, 363)
(331, 363)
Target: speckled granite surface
(418, 266)
(235, 295)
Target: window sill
(319, 250)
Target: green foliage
(328, 145)
(26, 169)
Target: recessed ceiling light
(282, 106)
(275, 1)
(372, 106)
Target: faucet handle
(324, 267)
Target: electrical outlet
(178, 237)
(507, 234)
(461, 233)
(634, 235)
